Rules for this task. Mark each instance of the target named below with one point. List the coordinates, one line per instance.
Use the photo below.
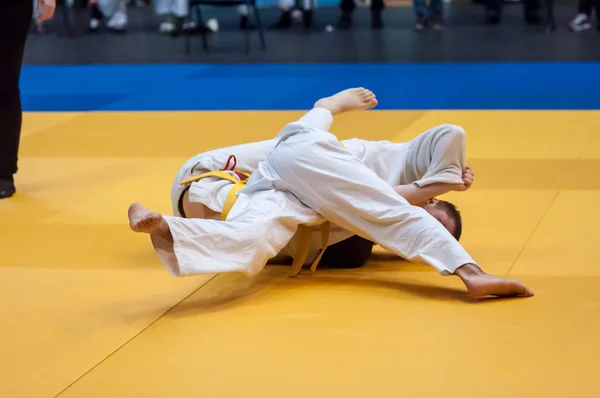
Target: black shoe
(345, 21)
(307, 18)
(437, 23)
(7, 189)
(422, 22)
(285, 21)
(376, 21)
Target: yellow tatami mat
(89, 311)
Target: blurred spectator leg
(180, 8)
(285, 19)
(437, 14)
(307, 13)
(583, 19)
(377, 7)
(96, 16)
(532, 11)
(346, 20)
(172, 14)
(421, 13)
(244, 22)
(493, 11)
(113, 10)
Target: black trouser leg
(15, 19)
(493, 10)
(350, 5)
(585, 7)
(347, 5)
(532, 10)
(377, 5)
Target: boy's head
(447, 214)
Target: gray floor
(465, 39)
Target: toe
(135, 226)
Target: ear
(432, 201)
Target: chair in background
(197, 4)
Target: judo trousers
(306, 179)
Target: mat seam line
(533, 232)
(133, 337)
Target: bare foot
(348, 100)
(480, 284)
(490, 285)
(144, 220)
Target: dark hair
(453, 213)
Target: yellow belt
(304, 232)
(231, 196)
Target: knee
(449, 134)
(455, 131)
(445, 130)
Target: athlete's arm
(417, 196)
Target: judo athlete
(311, 180)
(206, 197)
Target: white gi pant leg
(259, 226)
(317, 118)
(313, 167)
(438, 155)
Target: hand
(45, 10)
(468, 176)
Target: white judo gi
(307, 178)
